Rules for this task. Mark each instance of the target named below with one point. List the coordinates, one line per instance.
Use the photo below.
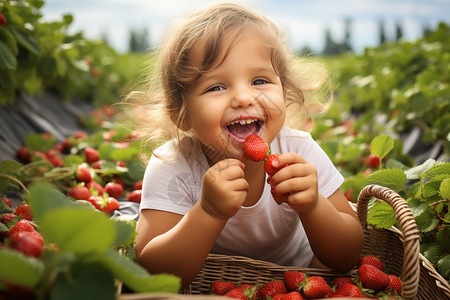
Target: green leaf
(443, 238)
(84, 281)
(135, 170)
(73, 160)
(7, 58)
(37, 142)
(9, 40)
(124, 154)
(125, 232)
(426, 221)
(4, 208)
(433, 253)
(444, 189)
(78, 229)
(28, 41)
(4, 184)
(431, 188)
(136, 277)
(44, 198)
(9, 166)
(417, 206)
(391, 178)
(20, 269)
(106, 149)
(443, 266)
(381, 145)
(438, 168)
(416, 172)
(381, 215)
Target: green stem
(15, 180)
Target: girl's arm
(332, 227)
(334, 232)
(176, 244)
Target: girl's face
(239, 96)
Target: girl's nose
(242, 97)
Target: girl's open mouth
(239, 130)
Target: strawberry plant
(426, 188)
(42, 56)
(80, 247)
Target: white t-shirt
(266, 230)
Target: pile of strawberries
(19, 231)
(87, 179)
(370, 282)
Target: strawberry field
(71, 168)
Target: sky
(305, 22)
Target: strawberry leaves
(86, 241)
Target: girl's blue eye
(215, 88)
(259, 81)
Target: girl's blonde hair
(159, 109)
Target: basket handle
(408, 227)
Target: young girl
(224, 73)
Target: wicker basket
(399, 250)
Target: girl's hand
(296, 183)
(224, 189)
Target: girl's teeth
(243, 122)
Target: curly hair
(159, 108)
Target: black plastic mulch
(38, 114)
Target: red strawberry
(79, 192)
(22, 225)
(7, 201)
(255, 148)
(348, 290)
(340, 281)
(272, 288)
(79, 135)
(98, 164)
(236, 294)
(91, 155)
(372, 278)
(315, 287)
(121, 163)
(95, 188)
(29, 243)
(221, 287)
(114, 189)
(293, 279)
(373, 161)
(252, 292)
(83, 173)
(138, 185)
(54, 157)
(395, 284)
(2, 20)
(294, 295)
(7, 217)
(270, 169)
(371, 260)
(135, 196)
(110, 205)
(23, 154)
(24, 211)
(96, 201)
